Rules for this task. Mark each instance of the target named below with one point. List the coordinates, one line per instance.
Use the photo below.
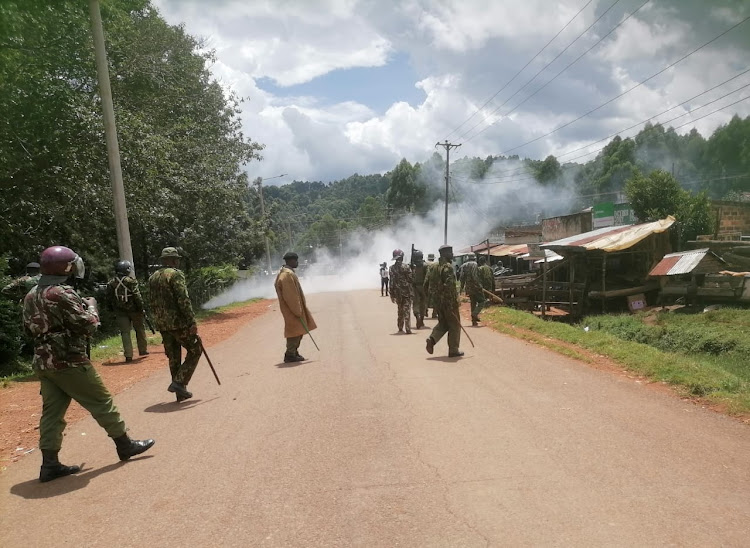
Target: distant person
(60, 322)
(472, 286)
(401, 288)
(419, 271)
(125, 296)
(173, 316)
(446, 302)
(18, 288)
(383, 279)
(486, 277)
(429, 283)
(293, 306)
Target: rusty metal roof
(683, 262)
(505, 250)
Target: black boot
(291, 358)
(127, 448)
(430, 345)
(181, 390)
(52, 469)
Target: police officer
(60, 321)
(173, 316)
(429, 283)
(472, 286)
(446, 303)
(419, 271)
(486, 277)
(17, 289)
(125, 296)
(401, 288)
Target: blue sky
(334, 87)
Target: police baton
(211, 365)
(301, 319)
(464, 330)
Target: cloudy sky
(334, 87)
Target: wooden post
(604, 284)
(544, 286)
(571, 279)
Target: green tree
(406, 192)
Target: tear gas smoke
(476, 208)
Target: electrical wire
(520, 71)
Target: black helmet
(417, 255)
(397, 253)
(123, 268)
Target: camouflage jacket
(419, 272)
(487, 278)
(124, 294)
(446, 294)
(60, 323)
(170, 303)
(401, 281)
(431, 279)
(470, 278)
(18, 288)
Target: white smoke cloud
(475, 209)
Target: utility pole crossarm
(448, 146)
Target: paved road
(375, 443)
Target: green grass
(703, 355)
(111, 347)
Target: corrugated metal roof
(683, 262)
(611, 238)
(505, 250)
(476, 248)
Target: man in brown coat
(293, 308)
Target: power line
(563, 70)
(545, 68)
(630, 89)
(520, 71)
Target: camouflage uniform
(18, 288)
(420, 298)
(446, 304)
(487, 278)
(430, 285)
(471, 284)
(60, 323)
(173, 317)
(126, 299)
(401, 286)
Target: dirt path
(20, 403)
(373, 442)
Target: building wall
(732, 217)
(557, 228)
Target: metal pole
(110, 133)
(447, 147)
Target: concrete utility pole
(448, 146)
(259, 183)
(110, 132)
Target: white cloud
(461, 52)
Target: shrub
(207, 282)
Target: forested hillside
(186, 161)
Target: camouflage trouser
(126, 320)
(420, 301)
(292, 345)
(448, 322)
(404, 313)
(84, 385)
(477, 303)
(173, 342)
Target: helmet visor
(79, 269)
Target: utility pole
(110, 133)
(259, 183)
(447, 146)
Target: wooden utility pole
(110, 134)
(447, 146)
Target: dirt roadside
(20, 403)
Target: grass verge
(694, 375)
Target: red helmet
(57, 261)
(397, 253)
